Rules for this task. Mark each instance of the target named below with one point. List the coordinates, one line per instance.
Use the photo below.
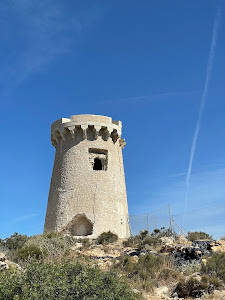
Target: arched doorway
(80, 226)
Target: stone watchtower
(87, 193)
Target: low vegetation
(64, 280)
(147, 239)
(86, 244)
(196, 287)
(25, 253)
(106, 238)
(51, 270)
(52, 244)
(215, 266)
(147, 270)
(198, 235)
(14, 242)
(13, 245)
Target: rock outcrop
(6, 264)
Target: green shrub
(167, 274)
(198, 235)
(15, 241)
(154, 239)
(65, 280)
(54, 245)
(191, 267)
(50, 235)
(106, 238)
(222, 238)
(161, 232)
(145, 238)
(143, 234)
(194, 287)
(143, 272)
(151, 241)
(29, 252)
(215, 266)
(132, 241)
(86, 243)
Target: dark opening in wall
(98, 159)
(97, 164)
(79, 226)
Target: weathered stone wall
(80, 196)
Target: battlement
(84, 125)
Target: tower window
(98, 159)
(97, 164)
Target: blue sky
(142, 62)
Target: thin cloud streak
(217, 22)
(146, 98)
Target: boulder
(2, 257)
(167, 240)
(203, 245)
(136, 252)
(134, 259)
(168, 248)
(3, 266)
(162, 291)
(219, 295)
(217, 246)
(217, 249)
(6, 264)
(132, 252)
(181, 239)
(12, 265)
(77, 246)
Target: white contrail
(204, 94)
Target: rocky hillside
(154, 266)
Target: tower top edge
(64, 127)
(95, 118)
(87, 118)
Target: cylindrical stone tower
(87, 194)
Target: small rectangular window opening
(98, 159)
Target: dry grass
(148, 271)
(55, 245)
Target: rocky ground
(185, 253)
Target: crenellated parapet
(85, 126)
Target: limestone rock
(218, 246)
(162, 291)
(2, 257)
(3, 266)
(218, 295)
(12, 265)
(168, 248)
(167, 240)
(6, 264)
(204, 261)
(181, 239)
(76, 246)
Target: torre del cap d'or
(87, 193)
